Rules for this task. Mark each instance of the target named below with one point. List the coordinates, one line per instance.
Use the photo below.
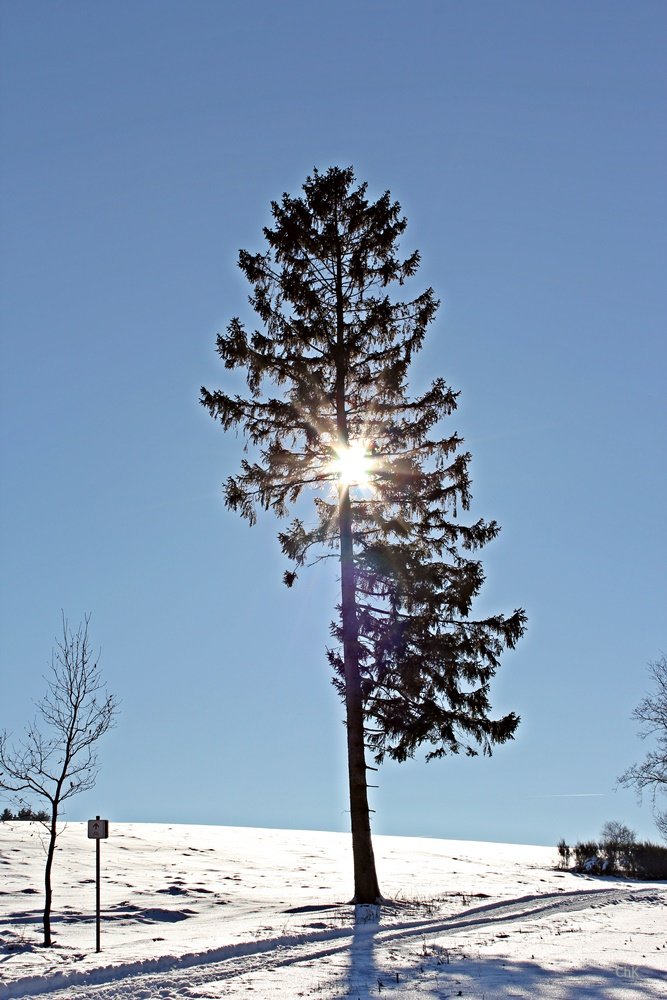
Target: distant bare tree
(59, 760)
(661, 823)
(651, 712)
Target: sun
(354, 465)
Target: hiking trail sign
(98, 829)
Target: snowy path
(366, 960)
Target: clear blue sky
(141, 145)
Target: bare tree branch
(59, 762)
(651, 773)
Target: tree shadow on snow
(502, 977)
(438, 971)
(363, 978)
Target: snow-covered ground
(210, 912)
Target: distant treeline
(26, 813)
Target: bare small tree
(651, 712)
(56, 758)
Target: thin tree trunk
(47, 881)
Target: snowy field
(209, 912)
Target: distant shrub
(616, 842)
(649, 861)
(616, 833)
(564, 852)
(26, 813)
(617, 853)
(587, 857)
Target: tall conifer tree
(327, 406)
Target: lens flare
(353, 465)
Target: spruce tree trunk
(366, 888)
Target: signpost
(98, 829)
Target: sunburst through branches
(354, 464)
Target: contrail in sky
(573, 795)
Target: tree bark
(47, 880)
(366, 888)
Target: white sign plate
(98, 829)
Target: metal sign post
(98, 829)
